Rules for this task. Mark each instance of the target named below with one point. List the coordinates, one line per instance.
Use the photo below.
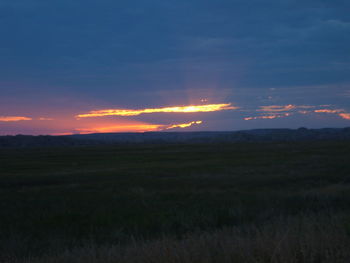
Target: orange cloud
(45, 119)
(275, 116)
(345, 116)
(176, 109)
(281, 108)
(328, 111)
(14, 118)
(183, 125)
(340, 112)
(277, 108)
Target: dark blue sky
(62, 58)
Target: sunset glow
(282, 108)
(340, 112)
(184, 125)
(345, 116)
(14, 118)
(82, 124)
(121, 128)
(276, 108)
(176, 109)
(328, 111)
(136, 127)
(45, 119)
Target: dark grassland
(261, 202)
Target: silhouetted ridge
(257, 135)
(40, 141)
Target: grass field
(261, 202)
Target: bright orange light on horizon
(121, 128)
(176, 109)
(142, 127)
(61, 133)
(14, 118)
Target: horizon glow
(14, 118)
(136, 127)
(124, 120)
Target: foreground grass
(280, 202)
(310, 238)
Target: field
(243, 202)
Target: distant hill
(19, 141)
(263, 135)
(258, 135)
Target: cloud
(45, 119)
(278, 111)
(274, 116)
(340, 112)
(14, 118)
(345, 116)
(328, 111)
(175, 109)
(278, 108)
(184, 125)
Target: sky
(85, 66)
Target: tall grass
(309, 238)
(178, 203)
